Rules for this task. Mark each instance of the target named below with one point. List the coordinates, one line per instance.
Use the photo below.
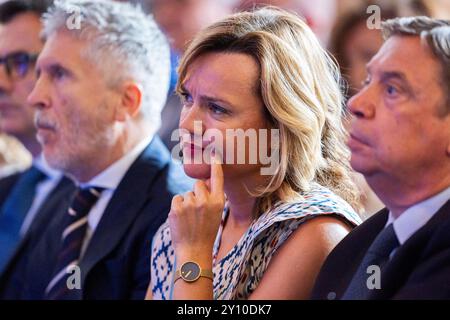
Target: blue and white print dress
(239, 272)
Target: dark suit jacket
(6, 184)
(60, 194)
(116, 264)
(419, 269)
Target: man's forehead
(62, 47)
(409, 57)
(405, 54)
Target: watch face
(190, 271)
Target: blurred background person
(13, 156)
(320, 15)
(439, 9)
(353, 44)
(431, 8)
(180, 21)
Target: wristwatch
(190, 271)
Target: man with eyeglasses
(27, 199)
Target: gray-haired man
(102, 80)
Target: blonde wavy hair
(300, 88)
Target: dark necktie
(378, 255)
(14, 211)
(72, 242)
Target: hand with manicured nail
(195, 217)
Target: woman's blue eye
(186, 98)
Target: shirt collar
(417, 216)
(110, 178)
(40, 163)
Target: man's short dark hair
(12, 8)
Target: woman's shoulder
(318, 201)
(321, 200)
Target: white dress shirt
(43, 189)
(109, 179)
(414, 218)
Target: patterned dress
(239, 272)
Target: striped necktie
(72, 242)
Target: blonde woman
(241, 234)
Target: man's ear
(130, 101)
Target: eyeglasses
(18, 63)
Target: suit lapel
(360, 239)
(6, 184)
(65, 188)
(365, 234)
(130, 197)
(409, 254)
(46, 213)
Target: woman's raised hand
(195, 217)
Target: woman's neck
(241, 203)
